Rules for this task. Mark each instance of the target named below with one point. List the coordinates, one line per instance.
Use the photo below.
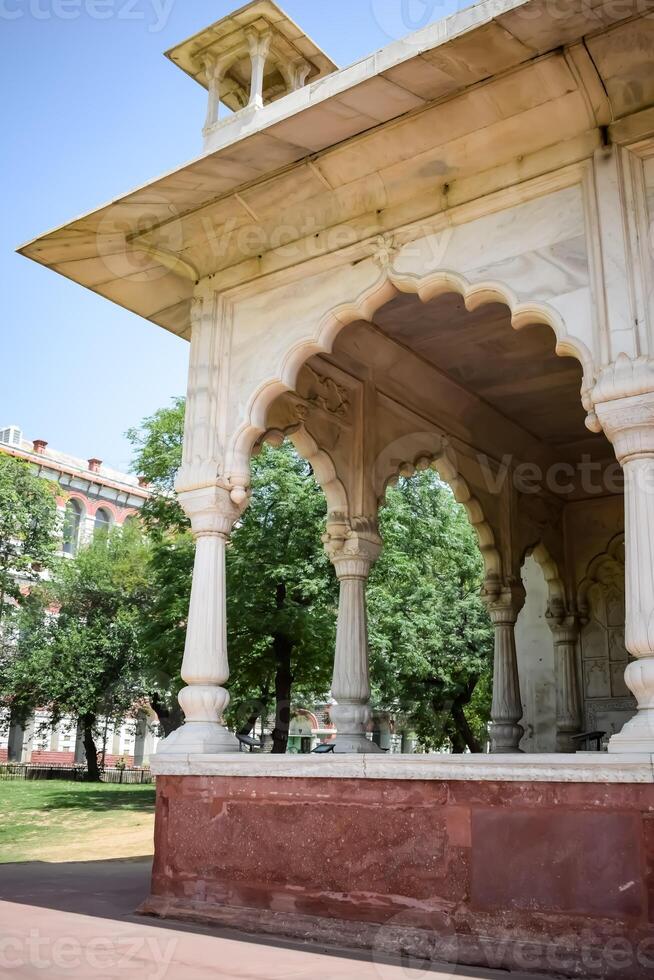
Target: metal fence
(15, 770)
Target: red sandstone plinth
(555, 878)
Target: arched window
(102, 521)
(72, 523)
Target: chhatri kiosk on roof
(439, 256)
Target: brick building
(91, 497)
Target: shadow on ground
(110, 889)
(113, 889)
(138, 798)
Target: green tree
(157, 455)
(430, 637)
(281, 589)
(28, 532)
(78, 653)
(431, 641)
(282, 593)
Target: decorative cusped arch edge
(320, 462)
(442, 458)
(550, 569)
(363, 307)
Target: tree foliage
(28, 528)
(281, 591)
(157, 455)
(430, 637)
(431, 641)
(78, 652)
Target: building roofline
(48, 462)
(157, 282)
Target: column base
(199, 738)
(354, 744)
(505, 738)
(636, 736)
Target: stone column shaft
(214, 72)
(506, 708)
(568, 702)
(205, 666)
(638, 734)
(259, 47)
(624, 408)
(352, 555)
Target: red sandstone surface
(557, 877)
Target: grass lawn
(55, 820)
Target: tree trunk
(441, 708)
(458, 742)
(282, 649)
(170, 715)
(248, 725)
(466, 736)
(463, 728)
(92, 768)
(283, 685)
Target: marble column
(506, 708)
(628, 421)
(353, 554)
(205, 666)
(259, 44)
(214, 71)
(565, 632)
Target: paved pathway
(75, 922)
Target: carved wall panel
(607, 701)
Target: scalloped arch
(445, 463)
(550, 570)
(320, 461)
(365, 305)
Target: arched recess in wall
(73, 516)
(103, 521)
(607, 569)
(601, 603)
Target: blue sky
(92, 109)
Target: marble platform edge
(561, 768)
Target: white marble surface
(582, 767)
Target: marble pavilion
(441, 256)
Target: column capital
(623, 407)
(565, 633)
(211, 511)
(563, 624)
(353, 551)
(259, 41)
(504, 605)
